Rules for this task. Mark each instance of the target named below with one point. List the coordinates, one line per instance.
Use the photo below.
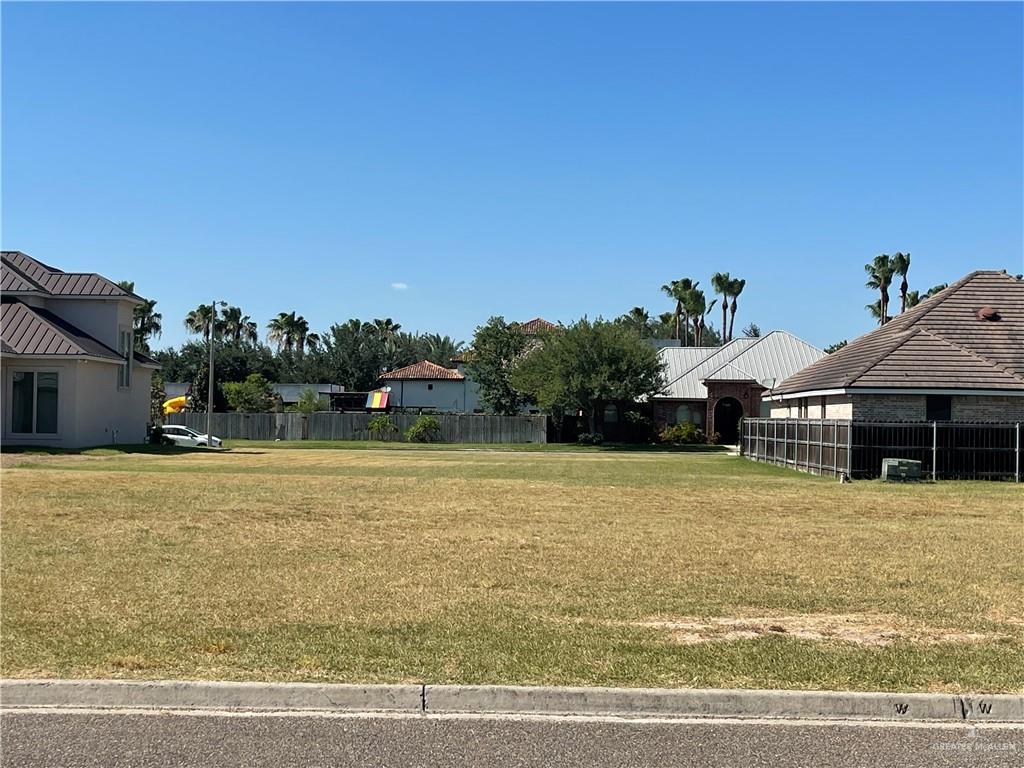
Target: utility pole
(209, 395)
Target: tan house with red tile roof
(430, 387)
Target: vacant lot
(663, 569)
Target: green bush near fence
(427, 429)
(381, 427)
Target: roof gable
(941, 343)
(686, 367)
(32, 331)
(23, 274)
(424, 369)
(769, 360)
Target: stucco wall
(106, 414)
(99, 318)
(446, 395)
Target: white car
(188, 438)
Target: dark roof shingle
(939, 344)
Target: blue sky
(553, 160)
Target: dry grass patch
(860, 629)
(475, 567)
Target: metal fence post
(849, 450)
(935, 451)
(1016, 468)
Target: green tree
(201, 320)
(254, 395)
(638, 320)
(901, 266)
(751, 331)
(721, 283)
(238, 327)
(288, 331)
(146, 321)
(498, 348)
(736, 286)
(880, 273)
(697, 307)
(309, 402)
(679, 291)
(586, 366)
(835, 347)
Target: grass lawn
(593, 568)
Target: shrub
(590, 438)
(426, 429)
(309, 402)
(686, 433)
(381, 426)
(637, 428)
(254, 395)
(714, 438)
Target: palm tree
(386, 328)
(664, 328)
(912, 300)
(200, 320)
(637, 319)
(935, 289)
(900, 266)
(875, 308)
(282, 331)
(237, 326)
(679, 290)
(697, 307)
(147, 323)
(721, 282)
(735, 289)
(300, 328)
(314, 341)
(880, 278)
(440, 349)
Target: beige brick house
(957, 356)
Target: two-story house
(70, 376)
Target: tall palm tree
(201, 320)
(300, 328)
(901, 265)
(679, 290)
(238, 327)
(736, 287)
(664, 327)
(880, 278)
(875, 308)
(697, 307)
(913, 299)
(146, 321)
(935, 289)
(314, 341)
(282, 332)
(721, 282)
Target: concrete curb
(487, 699)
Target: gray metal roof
(23, 274)
(686, 367)
(32, 331)
(771, 359)
(942, 343)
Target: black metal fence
(946, 450)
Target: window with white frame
(125, 343)
(34, 403)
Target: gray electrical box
(900, 470)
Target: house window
(939, 407)
(124, 372)
(430, 386)
(34, 402)
(691, 413)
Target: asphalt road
(69, 739)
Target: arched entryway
(728, 412)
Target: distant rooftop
(20, 274)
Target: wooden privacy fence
(946, 450)
(455, 427)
